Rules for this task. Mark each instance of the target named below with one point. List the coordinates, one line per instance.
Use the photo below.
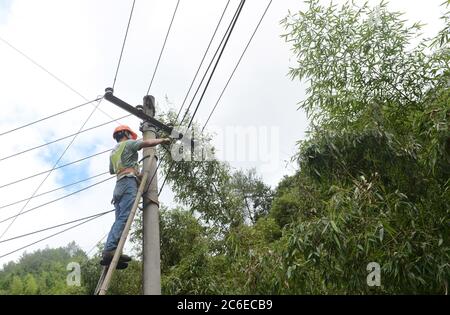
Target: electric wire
(55, 200)
(95, 245)
(54, 167)
(49, 73)
(217, 62)
(75, 135)
(63, 138)
(54, 226)
(237, 65)
(59, 188)
(222, 49)
(48, 117)
(123, 45)
(212, 61)
(53, 235)
(231, 76)
(203, 59)
(193, 81)
(163, 47)
(53, 190)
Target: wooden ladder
(107, 271)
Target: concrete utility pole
(151, 243)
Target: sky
(79, 41)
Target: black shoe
(120, 265)
(125, 258)
(108, 256)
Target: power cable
(237, 65)
(232, 74)
(55, 200)
(63, 138)
(53, 235)
(193, 81)
(123, 45)
(49, 73)
(54, 167)
(225, 42)
(53, 190)
(203, 59)
(217, 62)
(163, 47)
(54, 227)
(48, 117)
(212, 61)
(95, 245)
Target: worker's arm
(153, 142)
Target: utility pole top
(147, 115)
(149, 105)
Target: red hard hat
(125, 128)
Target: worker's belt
(129, 170)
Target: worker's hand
(150, 143)
(166, 140)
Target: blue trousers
(124, 196)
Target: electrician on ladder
(124, 163)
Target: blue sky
(72, 173)
(5, 5)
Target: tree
(30, 286)
(16, 287)
(255, 194)
(42, 272)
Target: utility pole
(151, 243)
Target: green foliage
(211, 189)
(255, 194)
(179, 232)
(359, 66)
(42, 272)
(30, 286)
(16, 286)
(295, 196)
(377, 157)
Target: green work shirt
(124, 155)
